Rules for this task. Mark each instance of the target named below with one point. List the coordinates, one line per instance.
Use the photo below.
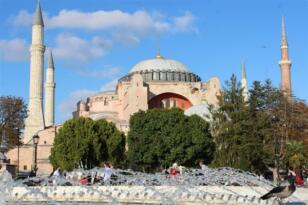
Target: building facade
(152, 83)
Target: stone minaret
(50, 92)
(285, 63)
(244, 83)
(35, 119)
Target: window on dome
(176, 76)
(169, 76)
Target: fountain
(193, 186)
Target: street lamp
(36, 139)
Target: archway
(169, 100)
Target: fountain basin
(150, 194)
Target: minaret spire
(38, 18)
(244, 83)
(50, 92)
(284, 41)
(285, 63)
(35, 120)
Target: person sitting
(174, 170)
(202, 165)
(57, 173)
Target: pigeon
(281, 192)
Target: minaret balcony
(285, 62)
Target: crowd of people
(104, 176)
(95, 177)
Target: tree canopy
(254, 132)
(84, 143)
(13, 111)
(158, 138)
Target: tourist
(202, 165)
(174, 170)
(93, 177)
(57, 173)
(107, 173)
(298, 178)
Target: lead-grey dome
(201, 110)
(162, 69)
(159, 64)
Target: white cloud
(14, 50)
(23, 18)
(109, 86)
(102, 73)
(72, 47)
(67, 106)
(185, 22)
(139, 22)
(126, 28)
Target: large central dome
(159, 64)
(162, 69)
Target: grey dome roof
(159, 63)
(201, 110)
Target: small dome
(160, 63)
(201, 110)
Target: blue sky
(95, 42)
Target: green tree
(160, 137)
(296, 153)
(231, 129)
(13, 111)
(264, 109)
(84, 143)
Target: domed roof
(201, 110)
(159, 63)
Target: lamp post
(35, 143)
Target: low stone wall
(151, 194)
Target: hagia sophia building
(157, 82)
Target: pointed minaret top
(50, 61)
(284, 41)
(38, 19)
(243, 70)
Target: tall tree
(13, 111)
(158, 138)
(254, 134)
(84, 143)
(231, 129)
